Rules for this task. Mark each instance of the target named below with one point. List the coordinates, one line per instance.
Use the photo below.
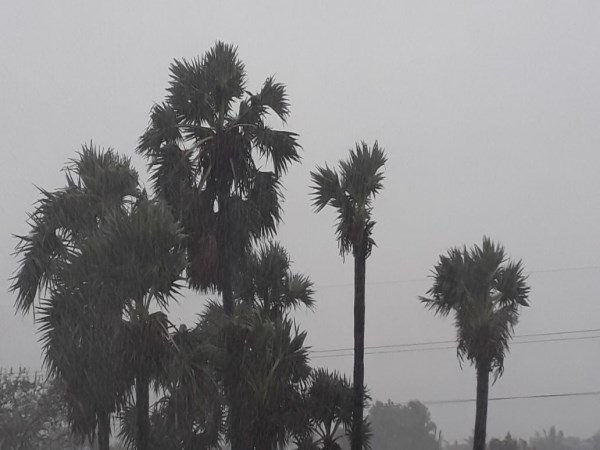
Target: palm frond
(484, 290)
(350, 191)
(326, 188)
(281, 147)
(163, 129)
(273, 96)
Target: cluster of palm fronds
(105, 260)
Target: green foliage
(403, 427)
(203, 144)
(262, 364)
(267, 282)
(77, 319)
(328, 411)
(190, 413)
(351, 191)
(485, 291)
(103, 253)
(508, 443)
(32, 414)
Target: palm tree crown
(485, 291)
(351, 191)
(268, 282)
(203, 144)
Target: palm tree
(136, 261)
(102, 252)
(267, 282)
(263, 364)
(189, 415)
(100, 184)
(328, 407)
(351, 192)
(485, 291)
(203, 144)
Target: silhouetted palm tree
(263, 364)
(190, 413)
(351, 191)
(328, 408)
(267, 282)
(485, 291)
(102, 251)
(77, 346)
(203, 144)
(136, 260)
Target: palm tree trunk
(142, 407)
(103, 431)
(359, 350)
(225, 252)
(483, 382)
(227, 289)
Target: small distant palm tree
(351, 191)
(485, 291)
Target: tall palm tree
(136, 261)
(267, 282)
(203, 144)
(485, 291)
(102, 252)
(351, 191)
(100, 184)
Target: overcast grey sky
(489, 112)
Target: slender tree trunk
(225, 253)
(103, 431)
(142, 407)
(359, 350)
(227, 289)
(483, 383)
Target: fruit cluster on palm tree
(484, 291)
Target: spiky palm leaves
(351, 191)
(101, 252)
(100, 186)
(189, 415)
(485, 291)
(203, 143)
(263, 364)
(267, 282)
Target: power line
(374, 347)
(413, 280)
(409, 350)
(515, 397)
(416, 280)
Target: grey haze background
(489, 112)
